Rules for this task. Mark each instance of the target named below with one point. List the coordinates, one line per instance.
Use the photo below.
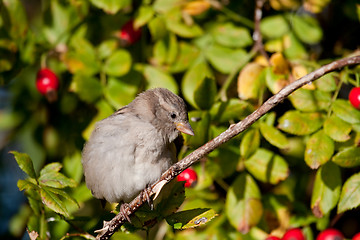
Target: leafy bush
(298, 166)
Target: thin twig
(257, 37)
(112, 226)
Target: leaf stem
(238, 18)
(336, 93)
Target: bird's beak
(185, 127)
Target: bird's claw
(145, 195)
(124, 207)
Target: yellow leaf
(248, 81)
(280, 84)
(284, 4)
(299, 71)
(196, 7)
(261, 60)
(279, 63)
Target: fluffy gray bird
(132, 148)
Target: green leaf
(223, 162)
(50, 168)
(337, 129)
(187, 54)
(106, 48)
(250, 143)
(191, 218)
(39, 224)
(53, 202)
(205, 93)
(319, 149)
(225, 59)
(81, 64)
(243, 205)
(121, 91)
(344, 110)
(326, 83)
(56, 180)
(82, 59)
(27, 185)
(266, 166)
(200, 123)
(326, 191)
(143, 15)
(164, 6)
(157, 28)
(297, 123)
(310, 100)
(88, 88)
(349, 157)
(306, 28)
(118, 64)
(273, 136)
(184, 30)
(274, 26)
(192, 79)
(171, 197)
(25, 163)
(160, 52)
(15, 20)
(111, 6)
(173, 49)
(234, 109)
(294, 49)
(157, 78)
(229, 35)
(269, 118)
(63, 194)
(350, 194)
(73, 167)
(118, 236)
(165, 50)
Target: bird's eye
(173, 115)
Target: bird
(130, 149)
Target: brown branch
(113, 225)
(257, 37)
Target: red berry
(46, 81)
(189, 176)
(129, 34)
(356, 237)
(354, 97)
(272, 238)
(294, 234)
(330, 234)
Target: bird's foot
(124, 207)
(145, 195)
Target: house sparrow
(130, 149)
